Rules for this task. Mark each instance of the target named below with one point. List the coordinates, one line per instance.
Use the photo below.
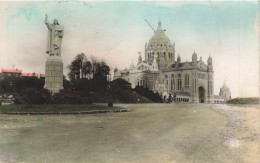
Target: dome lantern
(140, 58)
(159, 25)
(179, 58)
(194, 57)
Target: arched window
(187, 81)
(164, 54)
(172, 84)
(179, 82)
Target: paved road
(148, 133)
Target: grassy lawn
(48, 108)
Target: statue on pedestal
(54, 39)
(54, 65)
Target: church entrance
(201, 95)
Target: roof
(159, 38)
(11, 71)
(29, 74)
(181, 64)
(225, 86)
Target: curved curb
(75, 112)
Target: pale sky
(116, 31)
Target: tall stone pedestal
(54, 74)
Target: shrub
(42, 96)
(33, 96)
(155, 97)
(70, 96)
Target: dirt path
(243, 130)
(148, 133)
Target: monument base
(54, 74)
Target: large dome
(160, 48)
(159, 38)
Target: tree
(100, 73)
(66, 83)
(89, 75)
(87, 69)
(78, 68)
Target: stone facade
(185, 81)
(54, 74)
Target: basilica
(159, 71)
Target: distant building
(224, 94)
(30, 75)
(185, 81)
(10, 73)
(18, 73)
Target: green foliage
(82, 68)
(54, 108)
(252, 100)
(155, 97)
(77, 67)
(69, 96)
(88, 82)
(88, 76)
(66, 83)
(33, 96)
(10, 85)
(120, 90)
